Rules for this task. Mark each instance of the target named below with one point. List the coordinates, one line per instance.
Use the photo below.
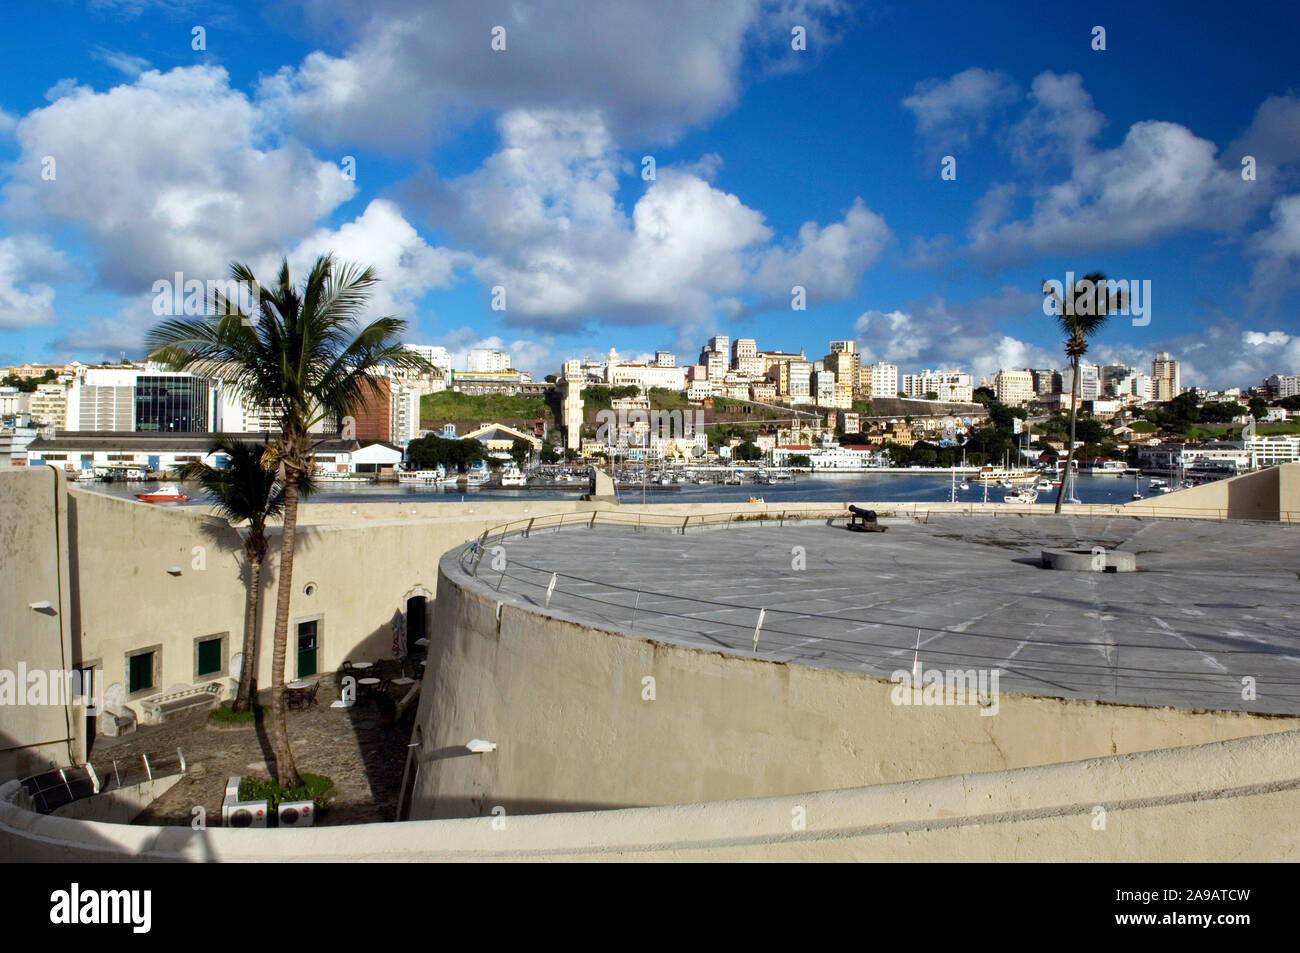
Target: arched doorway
(417, 610)
(416, 618)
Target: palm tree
(244, 491)
(1089, 304)
(301, 351)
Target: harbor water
(830, 487)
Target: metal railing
(59, 786)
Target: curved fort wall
(567, 705)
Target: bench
(161, 708)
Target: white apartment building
(1089, 382)
(645, 376)
(403, 413)
(103, 398)
(665, 359)
(49, 405)
(484, 360)
(1282, 385)
(745, 360)
(437, 356)
(1014, 387)
(950, 384)
(878, 380)
(715, 363)
(1273, 450)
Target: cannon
(864, 521)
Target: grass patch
(450, 406)
(315, 788)
(225, 714)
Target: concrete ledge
(1230, 801)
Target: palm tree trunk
(1074, 414)
(286, 770)
(244, 695)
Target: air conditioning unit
(244, 813)
(297, 814)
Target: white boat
(1112, 467)
(422, 477)
(478, 473)
(1159, 486)
(1023, 495)
(992, 474)
(513, 476)
(1043, 485)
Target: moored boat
(167, 493)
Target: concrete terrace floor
(1210, 604)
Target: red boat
(164, 494)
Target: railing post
(147, 770)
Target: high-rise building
(951, 385)
(1089, 382)
(1014, 387)
(844, 361)
(437, 356)
(719, 343)
(487, 360)
(665, 359)
(49, 405)
(1165, 371)
(878, 380)
(1046, 381)
(572, 380)
(1282, 385)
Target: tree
(932, 395)
(300, 351)
(747, 451)
(520, 451)
(1090, 303)
(984, 395)
(549, 455)
(425, 453)
(244, 491)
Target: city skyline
(670, 204)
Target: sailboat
(1137, 495)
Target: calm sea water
(839, 487)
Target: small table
(362, 665)
(301, 683)
(422, 642)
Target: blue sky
(522, 168)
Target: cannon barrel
(868, 515)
